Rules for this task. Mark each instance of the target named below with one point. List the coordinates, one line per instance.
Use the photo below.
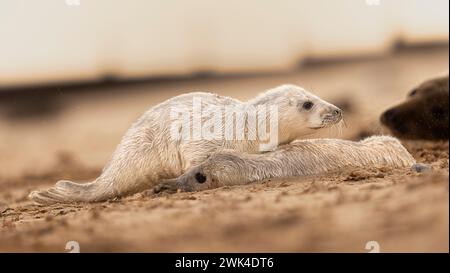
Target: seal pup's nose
(337, 112)
(389, 117)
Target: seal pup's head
(424, 114)
(300, 112)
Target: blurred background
(74, 74)
(80, 40)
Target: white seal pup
(300, 158)
(149, 152)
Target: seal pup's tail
(69, 192)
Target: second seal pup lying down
(300, 158)
(148, 154)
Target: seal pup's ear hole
(291, 102)
(200, 178)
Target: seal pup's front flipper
(169, 186)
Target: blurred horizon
(54, 41)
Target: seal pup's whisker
(341, 125)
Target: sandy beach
(74, 136)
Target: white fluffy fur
(300, 158)
(147, 154)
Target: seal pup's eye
(200, 178)
(307, 105)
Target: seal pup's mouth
(317, 127)
(333, 117)
(328, 122)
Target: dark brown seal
(424, 114)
